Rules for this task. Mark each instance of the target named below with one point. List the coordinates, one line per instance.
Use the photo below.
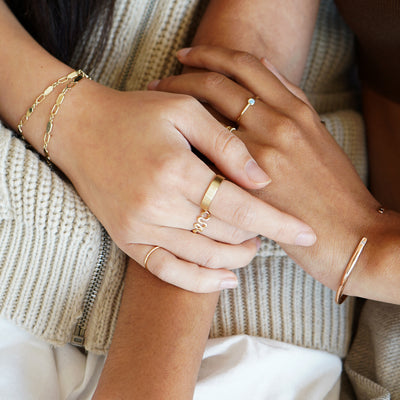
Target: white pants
(233, 368)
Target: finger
(243, 68)
(217, 229)
(223, 148)
(203, 251)
(239, 208)
(183, 274)
(223, 94)
(289, 85)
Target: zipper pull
(78, 338)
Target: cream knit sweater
(50, 242)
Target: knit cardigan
(50, 243)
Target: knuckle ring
(149, 253)
(250, 102)
(211, 191)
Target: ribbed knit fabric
(373, 362)
(50, 243)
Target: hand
(311, 176)
(131, 162)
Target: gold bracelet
(42, 96)
(75, 77)
(340, 297)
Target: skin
(380, 113)
(343, 210)
(80, 154)
(159, 340)
(293, 77)
(123, 376)
(136, 208)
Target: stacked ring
(250, 102)
(211, 191)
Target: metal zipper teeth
(134, 52)
(78, 337)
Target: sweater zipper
(78, 337)
(140, 36)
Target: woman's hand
(131, 162)
(311, 176)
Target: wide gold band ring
(250, 102)
(211, 192)
(150, 252)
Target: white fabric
(237, 367)
(254, 368)
(31, 369)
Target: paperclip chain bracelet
(75, 77)
(42, 96)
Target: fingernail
(270, 66)
(256, 174)
(306, 239)
(183, 52)
(228, 284)
(153, 84)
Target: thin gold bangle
(78, 75)
(340, 297)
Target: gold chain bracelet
(75, 77)
(42, 96)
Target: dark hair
(59, 25)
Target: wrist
(377, 273)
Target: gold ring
(250, 102)
(231, 128)
(150, 252)
(211, 192)
(201, 221)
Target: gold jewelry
(150, 252)
(340, 297)
(201, 221)
(208, 197)
(210, 193)
(381, 210)
(42, 96)
(250, 102)
(77, 76)
(231, 128)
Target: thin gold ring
(210, 193)
(250, 102)
(231, 128)
(150, 252)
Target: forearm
(159, 340)
(26, 69)
(279, 30)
